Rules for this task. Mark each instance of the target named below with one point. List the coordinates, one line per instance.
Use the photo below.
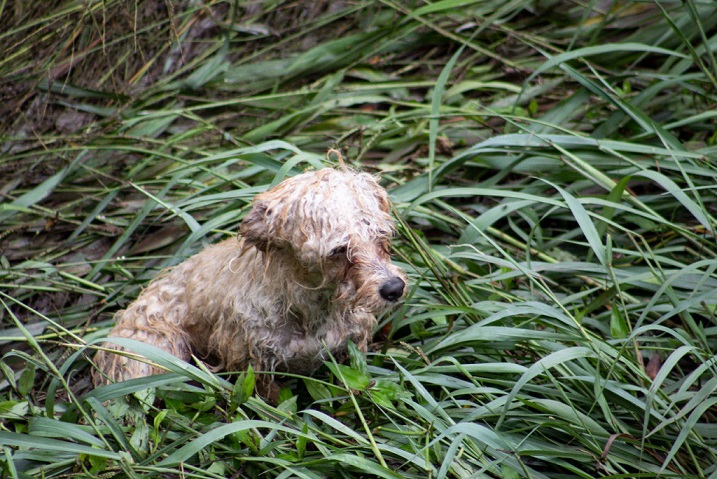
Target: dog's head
(335, 224)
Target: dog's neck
(304, 296)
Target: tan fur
(311, 267)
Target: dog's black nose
(392, 289)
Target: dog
(309, 270)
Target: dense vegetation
(554, 172)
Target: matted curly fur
(311, 268)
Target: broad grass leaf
(571, 415)
(188, 219)
(677, 192)
(479, 333)
(571, 142)
(550, 361)
(471, 233)
(642, 119)
(214, 67)
(480, 433)
(47, 445)
(704, 393)
(169, 362)
(333, 54)
(336, 425)
(41, 191)
(450, 457)
(193, 447)
(365, 465)
(436, 101)
(552, 119)
(608, 211)
(586, 225)
(509, 472)
(422, 393)
(301, 472)
(687, 429)
(655, 392)
(606, 49)
(45, 427)
(13, 409)
(99, 410)
(150, 126)
(466, 86)
(479, 192)
(444, 5)
(115, 390)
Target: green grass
(554, 171)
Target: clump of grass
(552, 167)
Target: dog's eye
(338, 251)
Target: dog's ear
(254, 227)
(383, 202)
